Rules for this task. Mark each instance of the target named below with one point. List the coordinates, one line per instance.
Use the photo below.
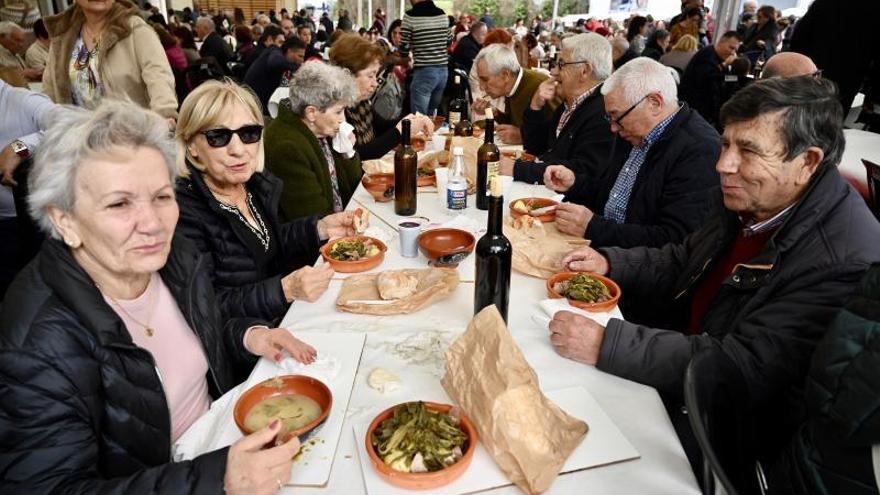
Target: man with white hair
(660, 192)
(501, 76)
(12, 41)
(576, 135)
(212, 44)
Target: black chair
(873, 186)
(714, 390)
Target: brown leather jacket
(133, 65)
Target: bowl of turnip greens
(587, 291)
(421, 445)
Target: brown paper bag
(487, 376)
(540, 254)
(434, 284)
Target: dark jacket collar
(263, 185)
(78, 292)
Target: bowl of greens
(421, 445)
(588, 291)
(353, 254)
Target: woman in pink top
(176, 57)
(111, 344)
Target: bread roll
(396, 285)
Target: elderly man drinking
(761, 281)
(501, 76)
(576, 135)
(659, 193)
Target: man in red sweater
(761, 281)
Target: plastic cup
(409, 231)
(442, 175)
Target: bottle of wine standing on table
(405, 174)
(458, 107)
(488, 164)
(493, 255)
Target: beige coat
(133, 64)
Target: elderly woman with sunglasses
(320, 173)
(111, 344)
(229, 207)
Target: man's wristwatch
(20, 148)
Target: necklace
(148, 329)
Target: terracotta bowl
(535, 203)
(427, 180)
(600, 307)
(285, 385)
(354, 266)
(423, 481)
(380, 186)
(435, 243)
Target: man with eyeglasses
(575, 135)
(656, 195)
(783, 250)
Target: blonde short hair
(686, 43)
(207, 107)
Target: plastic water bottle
(456, 188)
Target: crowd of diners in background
(153, 179)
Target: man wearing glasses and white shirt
(660, 193)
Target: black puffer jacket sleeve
(48, 440)
(380, 145)
(299, 237)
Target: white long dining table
(412, 347)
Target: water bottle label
(456, 198)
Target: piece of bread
(529, 225)
(361, 220)
(396, 285)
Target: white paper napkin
(549, 308)
(343, 141)
(460, 222)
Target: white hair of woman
(498, 57)
(74, 136)
(640, 77)
(321, 85)
(591, 48)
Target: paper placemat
(338, 357)
(604, 444)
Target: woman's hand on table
(576, 337)
(558, 178)
(573, 219)
(336, 225)
(308, 283)
(586, 259)
(271, 343)
(251, 470)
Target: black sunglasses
(624, 114)
(218, 138)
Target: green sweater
(515, 106)
(294, 155)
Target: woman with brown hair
(364, 60)
(104, 49)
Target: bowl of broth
(302, 403)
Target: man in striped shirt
(426, 33)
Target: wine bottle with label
(458, 107)
(405, 173)
(488, 164)
(493, 258)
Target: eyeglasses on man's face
(561, 64)
(612, 121)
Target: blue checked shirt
(618, 200)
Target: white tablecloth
(412, 347)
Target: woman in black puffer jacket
(110, 342)
(831, 452)
(229, 208)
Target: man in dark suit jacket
(703, 79)
(661, 192)
(266, 73)
(468, 47)
(212, 44)
(576, 135)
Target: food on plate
(382, 380)
(361, 220)
(529, 225)
(294, 411)
(528, 208)
(353, 250)
(583, 287)
(425, 172)
(417, 439)
(522, 207)
(396, 285)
